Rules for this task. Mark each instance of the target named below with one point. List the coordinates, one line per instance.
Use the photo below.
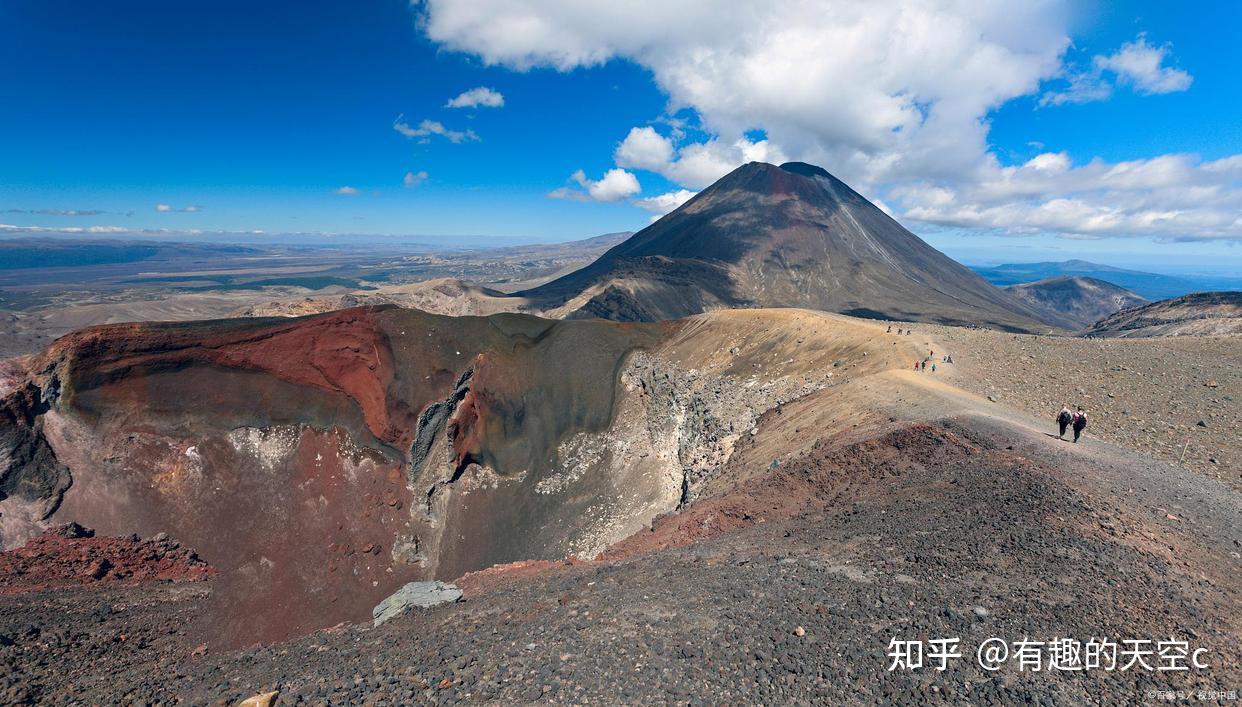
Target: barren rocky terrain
(870, 505)
(791, 593)
(1196, 314)
(744, 505)
(1176, 399)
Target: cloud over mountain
(892, 94)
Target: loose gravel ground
(1148, 395)
(970, 529)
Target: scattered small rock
(265, 699)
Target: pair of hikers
(1077, 420)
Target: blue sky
(232, 116)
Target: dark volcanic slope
(1201, 313)
(1076, 301)
(789, 236)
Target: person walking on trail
(1080, 423)
(1063, 420)
(933, 368)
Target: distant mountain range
(1152, 286)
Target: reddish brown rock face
(282, 449)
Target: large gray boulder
(420, 594)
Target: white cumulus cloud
(481, 97)
(168, 208)
(872, 90)
(1141, 65)
(1136, 64)
(615, 185)
(663, 203)
(1170, 197)
(413, 179)
(347, 191)
(696, 164)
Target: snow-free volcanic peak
(788, 236)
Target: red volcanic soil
(70, 556)
(827, 475)
(475, 583)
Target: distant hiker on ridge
(1063, 420)
(1080, 423)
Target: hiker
(1080, 423)
(948, 359)
(890, 329)
(924, 364)
(1063, 420)
(933, 368)
(916, 365)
